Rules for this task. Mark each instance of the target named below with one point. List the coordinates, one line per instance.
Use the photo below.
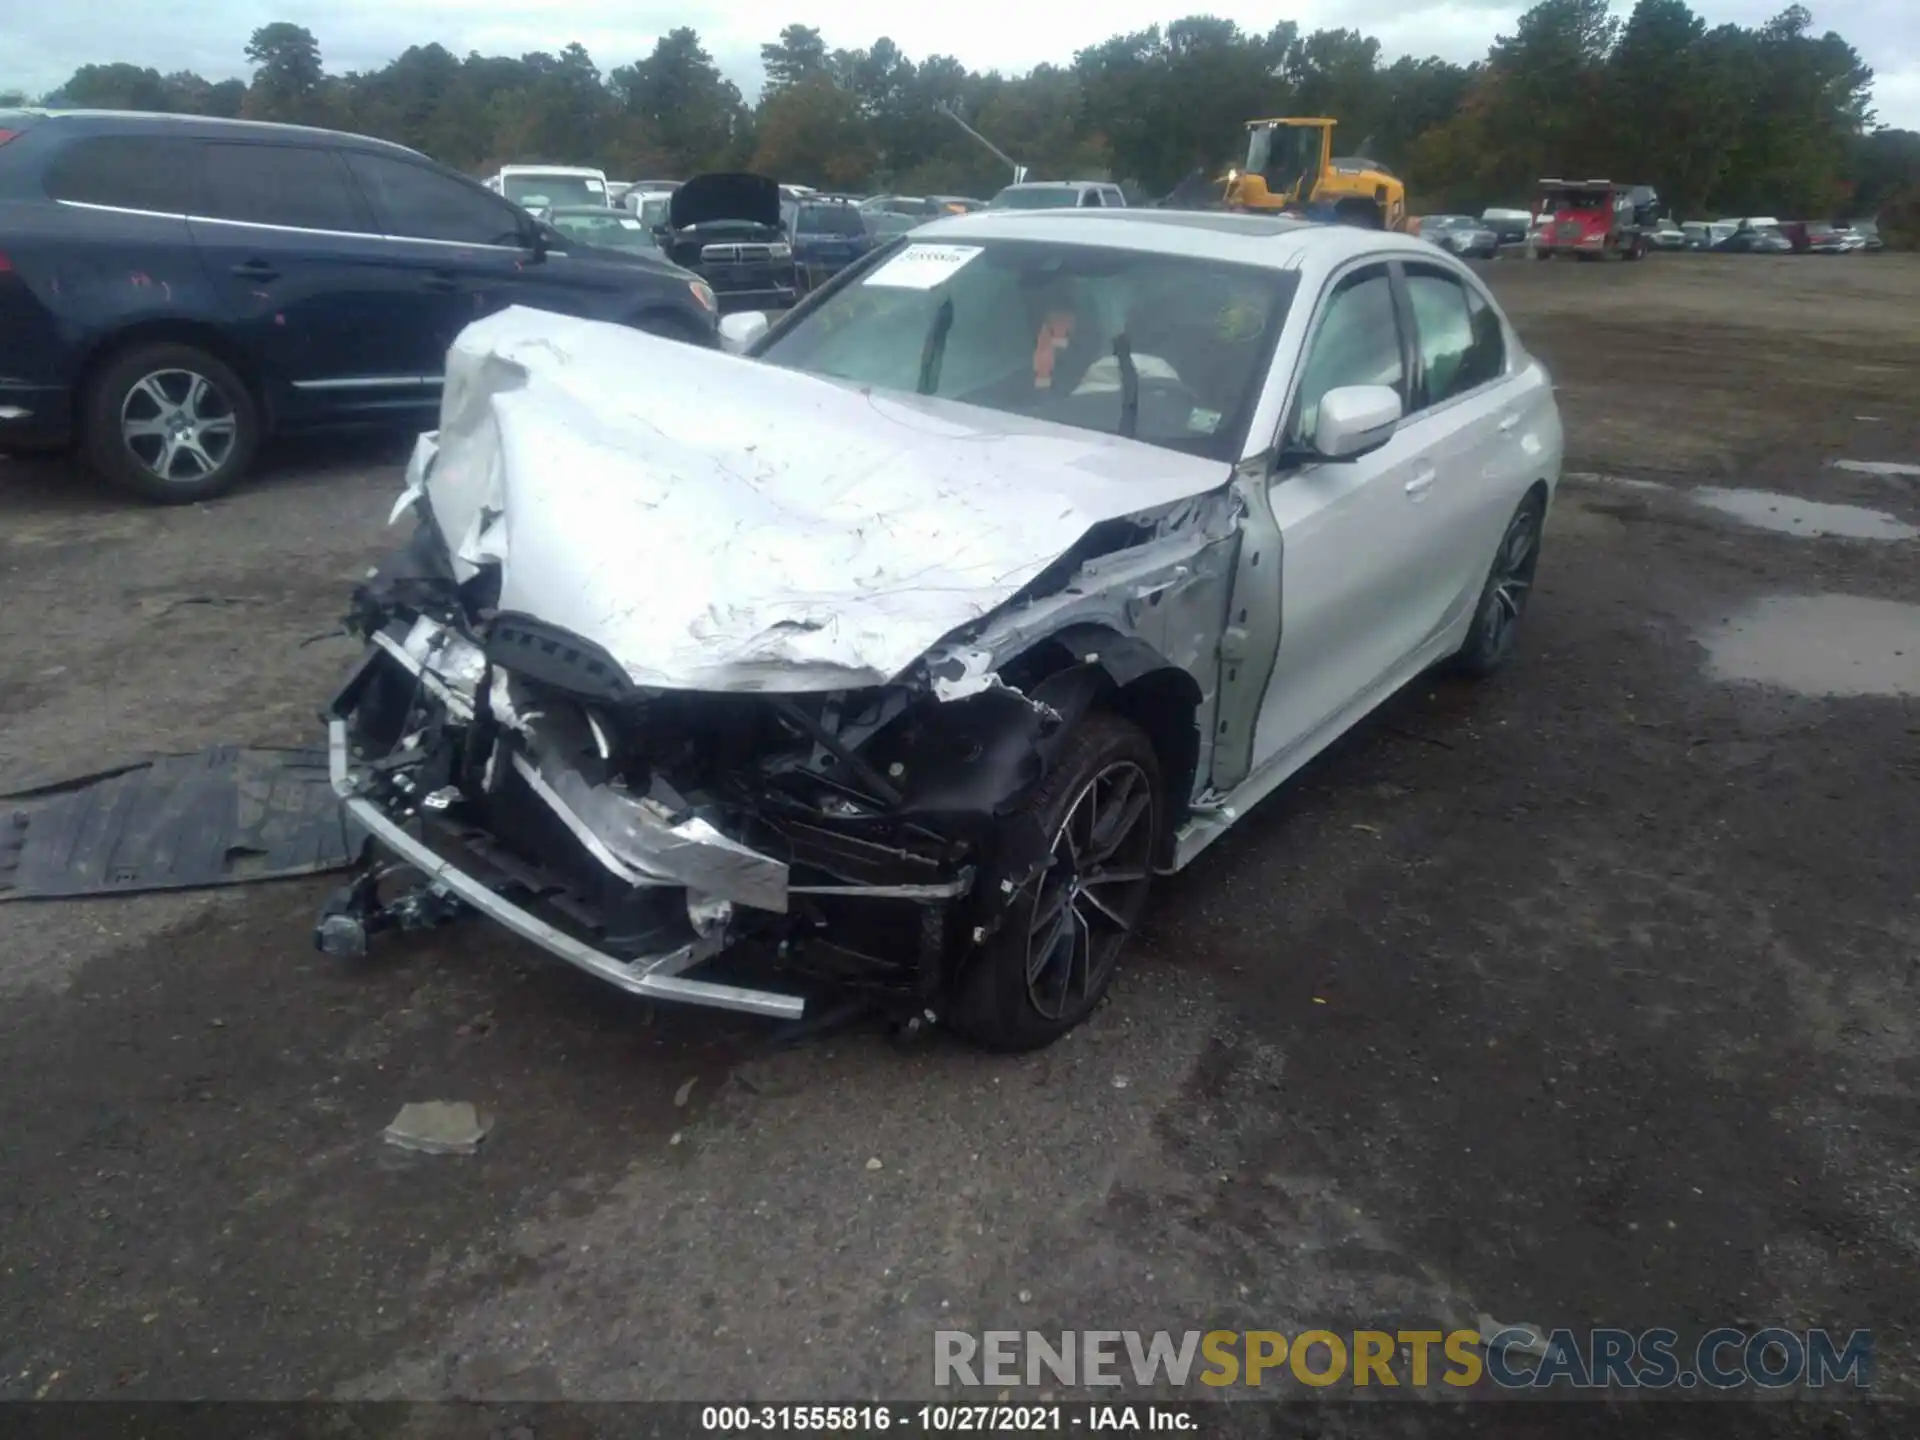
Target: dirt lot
(1586, 997)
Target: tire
(157, 387)
(1503, 598)
(999, 1003)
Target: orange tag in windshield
(1054, 335)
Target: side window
(134, 172)
(1357, 342)
(1112, 196)
(295, 185)
(1089, 199)
(1458, 334)
(421, 204)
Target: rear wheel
(1058, 948)
(170, 423)
(1503, 599)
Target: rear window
(300, 186)
(161, 173)
(1037, 197)
(829, 220)
(541, 189)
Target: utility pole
(1019, 170)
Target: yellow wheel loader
(1291, 167)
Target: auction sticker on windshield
(921, 267)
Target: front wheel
(1058, 948)
(170, 423)
(1503, 599)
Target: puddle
(1587, 477)
(1790, 515)
(1820, 645)
(1876, 467)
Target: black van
(173, 288)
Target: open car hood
(725, 195)
(716, 523)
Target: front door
(459, 250)
(1352, 531)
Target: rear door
(97, 240)
(308, 283)
(1467, 420)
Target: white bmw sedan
(909, 641)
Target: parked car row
(1462, 235)
(1764, 235)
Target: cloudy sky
(42, 41)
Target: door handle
(443, 282)
(1421, 482)
(1507, 422)
(255, 270)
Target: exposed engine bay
(863, 837)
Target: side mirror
(1354, 419)
(739, 332)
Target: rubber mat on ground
(226, 816)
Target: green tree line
(1773, 119)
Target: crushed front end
(500, 765)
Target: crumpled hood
(715, 523)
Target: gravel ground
(1583, 997)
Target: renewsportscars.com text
(1510, 1359)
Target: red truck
(1592, 219)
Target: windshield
(1285, 156)
(611, 228)
(558, 189)
(1576, 203)
(885, 224)
(1162, 348)
(829, 220)
(1035, 197)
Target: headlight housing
(779, 252)
(703, 296)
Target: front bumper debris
(657, 976)
(559, 815)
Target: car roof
(203, 126)
(586, 170)
(1276, 242)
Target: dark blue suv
(174, 288)
(827, 235)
